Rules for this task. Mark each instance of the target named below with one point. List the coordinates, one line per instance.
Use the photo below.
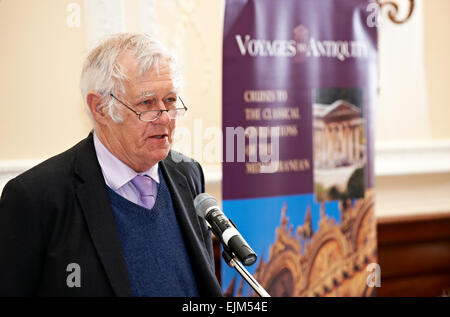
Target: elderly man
(114, 215)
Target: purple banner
(299, 89)
(293, 48)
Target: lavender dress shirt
(118, 175)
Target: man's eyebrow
(146, 94)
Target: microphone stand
(232, 261)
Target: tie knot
(143, 184)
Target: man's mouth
(159, 136)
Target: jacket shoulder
(54, 170)
(183, 163)
(187, 166)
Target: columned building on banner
(338, 135)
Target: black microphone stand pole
(232, 261)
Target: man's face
(140, 144)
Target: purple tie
(144, 185)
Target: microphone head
(202, 202)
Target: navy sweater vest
(152, 243)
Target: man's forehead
(157, 80)
(159, 70)
(147, 87)
(151, 93)
(145, 94)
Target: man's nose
(163, 118)
(164, 115)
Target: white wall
(412, 131)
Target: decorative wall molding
(391, 159)
(410, 158)
(413, 177)
(393, 9)
(12, 168)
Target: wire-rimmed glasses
(153, 115)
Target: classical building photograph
(339, 147)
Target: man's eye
(146, 102)
(171, 101)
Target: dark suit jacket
(59, 213)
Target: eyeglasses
(153, 115)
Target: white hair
(104, 74)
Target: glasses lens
(153, 115)
(150, 115)
(175, 113)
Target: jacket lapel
(182, 199)
(95, 203)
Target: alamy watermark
(374, 278)
(74, 277)
(251, 144)
(73, 20)
(374, 18)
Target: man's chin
(159, 155)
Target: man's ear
(94, 100)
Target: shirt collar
(116, 172)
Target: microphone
(207, 207)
